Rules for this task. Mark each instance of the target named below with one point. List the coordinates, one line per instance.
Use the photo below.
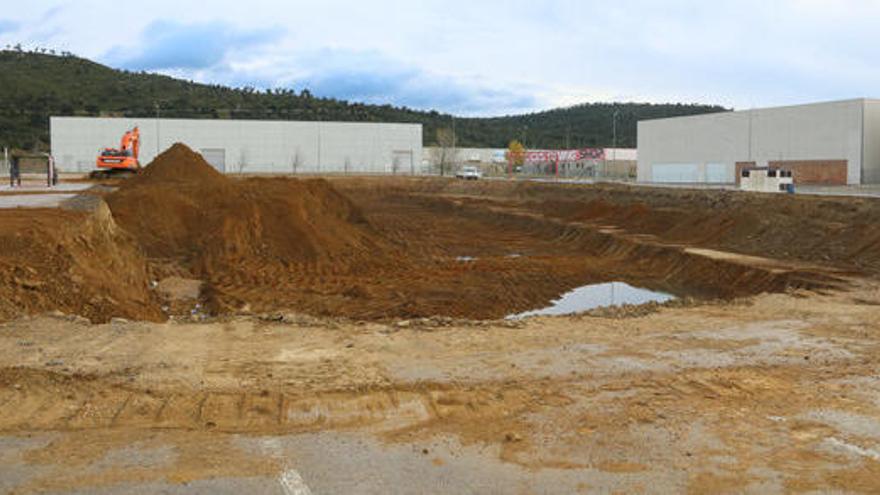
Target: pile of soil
(75, 262)
(238, 232)
(177, 165)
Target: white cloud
(495, 56)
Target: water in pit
(597, 296)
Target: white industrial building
(248, 146)
(832, 143)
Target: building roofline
(165, 119)
(780, 107)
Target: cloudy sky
(486, 57)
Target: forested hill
(34, 86)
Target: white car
(469, 173)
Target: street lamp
(613, 138)
(156, 104)
(454, 151)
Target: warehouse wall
(871, 157)
(706, 148)
(248, 146)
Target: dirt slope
(75, 262)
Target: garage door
(675, 172)
(216, 157)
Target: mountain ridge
(36, 85)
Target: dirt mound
(76, 262)
(248, 233)
(177, 164)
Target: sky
(481, 58)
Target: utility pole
(158, 134)
(319, 146)
(613, 138)
(750, 134)
(454, 151)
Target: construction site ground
(369, 351)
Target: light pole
(454, 150)
(158, 135)
(613, 139)
(750, 135)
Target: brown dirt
(393, 248)
(777, 395)
(239, 235)
(772, 393)
(76, 262)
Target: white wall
(250, 146)
(822, 131)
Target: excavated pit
(377, 248)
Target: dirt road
(773, 394)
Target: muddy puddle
(597, 296)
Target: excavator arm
(131, 142)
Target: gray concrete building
(248, 146)
(831, 143)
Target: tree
(445, 152)
(516, 153)
(295, 160)
(242, 160)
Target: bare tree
(242, 160)
(444, 153)
(295, 160)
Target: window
(745, 173)
(771, 173)
(783, 187)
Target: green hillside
(34, 86)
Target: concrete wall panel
(249, 146)
(824, 131)
(871, 153)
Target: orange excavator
(113, 162)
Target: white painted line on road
(293, 484)
(291, 481)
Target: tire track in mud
(42, 400)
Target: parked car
(469, 173)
